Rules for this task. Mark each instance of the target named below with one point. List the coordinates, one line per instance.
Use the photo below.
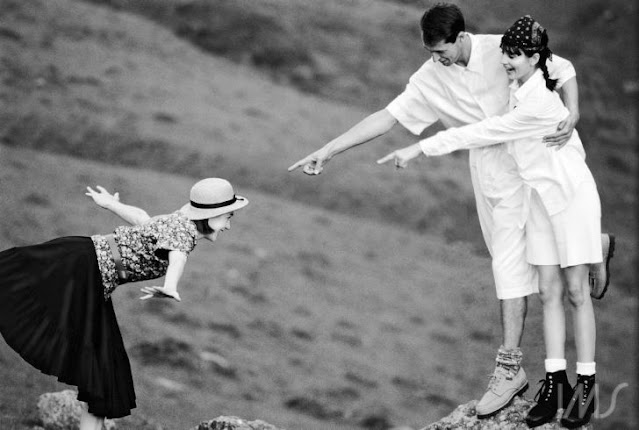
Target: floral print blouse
(144, 249)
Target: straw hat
(211, 197)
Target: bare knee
(551, 289)
(576, 295)
(577, 285)
(551, 293)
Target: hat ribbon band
(213, 205)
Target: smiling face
(218, 224)
(448, 53)
(518, 65)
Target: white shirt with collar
(536, 112)
(458, 95)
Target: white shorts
(570, 237)
(499, 198)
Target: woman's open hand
(102, 197)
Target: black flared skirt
(53, 313)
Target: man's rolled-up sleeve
(561, 69)
(412, 110)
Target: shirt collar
(520, 92)
(474, 62)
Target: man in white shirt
(522, 129)
(462, 83)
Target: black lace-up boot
(554, 394)
(582, 403)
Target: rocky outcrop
(234, 423)
(62, 411)
(509, 418)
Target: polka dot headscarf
(525, 34)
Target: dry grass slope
(361, 298)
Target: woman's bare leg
(551, 293)
(88, 421)
(582, 312)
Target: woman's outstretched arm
(131, 214)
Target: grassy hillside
(318, 46)
(349, 299)
(362, 52)
(111, 86)
(298, 316)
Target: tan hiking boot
(504, 385)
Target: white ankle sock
(554, 364)
(586, 369)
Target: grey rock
(234, 423)
(62, 411)
(511, 417)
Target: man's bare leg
(513, 316)
(509, 379)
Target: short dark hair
(443, 21)
(203, 226)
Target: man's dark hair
(443, 21)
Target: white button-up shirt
(535, 112)
(458, 96)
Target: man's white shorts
(514, 276)
(499, 195)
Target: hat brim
(197, 213)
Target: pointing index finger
(386, 158)
(296, 165)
